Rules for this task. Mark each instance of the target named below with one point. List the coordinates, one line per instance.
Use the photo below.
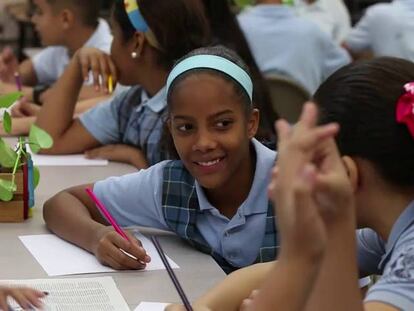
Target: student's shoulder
(380, 10)
(397, 281)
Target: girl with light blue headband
(128, 128)
(214, 197)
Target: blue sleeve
(135, 199)
(396, 286)
(48, 64)
(335, 56)
(370, 251)
(359, 38)
(102, 121)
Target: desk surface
(197, 272)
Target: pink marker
(108, 216)
(18, 81)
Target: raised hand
(294, 184)
(8, 65)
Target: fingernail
(147, 258)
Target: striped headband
(139, 23)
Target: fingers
(247, 304)
(8, 65)
(23, 108)
(26, 297)
(100, 65)
(305, 134)
(120, 254)
(174, 307)
(3, 300)
(92, 153)
(103, 152)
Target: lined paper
(86, 294)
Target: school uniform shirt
(286, 44)
(387, 29)
(50, 63)
(394, 259)
(130, 118)
(331, 16)
(137, 199)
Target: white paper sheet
(87, 294)
(58, 257)
(151, 306)
(66, 160)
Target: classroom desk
(197, 272)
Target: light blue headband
(216, 63)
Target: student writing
(214, 197)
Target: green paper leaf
(36, 176)
(7, 100)
(6, 190)
(7, 155)
(7, 122)
(39, 139)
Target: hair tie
(214, 62)
(405, 108)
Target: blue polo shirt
(130, 118)
(136, 199)
(387, 29)
(285, 44)
(394, 259)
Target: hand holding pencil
(100, 65)
(117, 249)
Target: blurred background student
(127, 128)
(386, 29)
(286, 44)
(63, 27)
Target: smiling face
(211, 129)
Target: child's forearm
(337, 285)
(69, 218)
(59, 105)
(288, 286)
(230, 293)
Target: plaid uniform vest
(181, 209)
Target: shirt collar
(157, 102)
(404, 221)
(272, 10)
(264, 162)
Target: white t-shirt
(50, 64)
(287, 45)
(387, 29)
(331, 16)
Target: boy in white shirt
(64, 26)
(386, 29)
